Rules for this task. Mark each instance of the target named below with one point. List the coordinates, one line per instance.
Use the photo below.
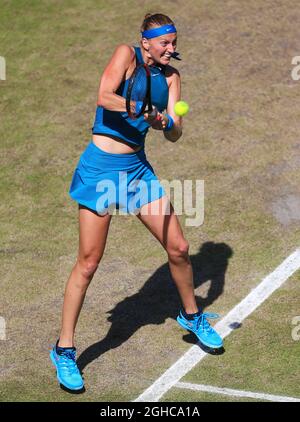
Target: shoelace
(202, 321)
(67, 361)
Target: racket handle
(153, 113)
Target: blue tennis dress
(104, 181)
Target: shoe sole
(58, 377)
(201, 341)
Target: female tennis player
(117, 149)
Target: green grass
(240, 137)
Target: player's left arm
(174, 95)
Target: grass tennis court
(241, 137)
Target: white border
(235, 393)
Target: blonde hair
(153, 20)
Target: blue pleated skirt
(105, 182)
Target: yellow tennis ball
(181, 108)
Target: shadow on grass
(191, 339)
(158, 299)
(74, 392)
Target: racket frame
(147, 100)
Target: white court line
(224, 327)
(235, 393)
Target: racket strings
(139, 88)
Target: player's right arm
(112, 77)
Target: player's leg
(159, 217)
(93, 230)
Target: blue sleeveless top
(118, 123)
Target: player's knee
(88, 266)
(180, 250)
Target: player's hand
(158, 122)
(151, 117)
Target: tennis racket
(138, 96)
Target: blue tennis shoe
(66, 368)
(202, 329)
